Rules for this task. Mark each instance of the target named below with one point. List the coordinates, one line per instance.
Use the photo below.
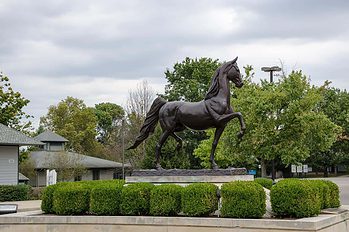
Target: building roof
(22, 177)
(49, 136)
(9, 136)
(44, 159)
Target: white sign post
(51, 177)
(305, 168)
(293, 168)
(299, 169)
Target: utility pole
(271, 71)
(123, 147)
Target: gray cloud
(87, 49)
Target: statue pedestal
(188, 176)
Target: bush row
(303, 198)
(240, 199)
(14, 192)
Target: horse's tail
(150, 122)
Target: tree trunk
(263, 168)
(325, 172)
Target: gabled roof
(42, 160)
(9, 136)
(49, 136)
(22, 177)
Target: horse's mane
(214, 87)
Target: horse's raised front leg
(226, 118)
(162, 140)
(217, 136)
(179, 141)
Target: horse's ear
(236, 58)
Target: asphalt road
(343, 183)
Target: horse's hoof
(215, 166)
(158, 167)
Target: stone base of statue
(188, 176)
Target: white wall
(8, 165)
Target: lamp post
(123, 148)
(271, 71)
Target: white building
(10, 141)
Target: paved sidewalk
(24, 206)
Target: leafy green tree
(109, 117)
(11, 106)
(335, 105)
(189, 81)
(282, 120)
(71, 119)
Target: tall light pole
(271, 70)
(123, 147)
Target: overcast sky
(98, 50)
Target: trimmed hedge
(334, 201)
(199, 199)
(295, 198)
(243, 199)
(47, 199)
(14, 192)
(323, 192)
(106, 199)
(71, 200)
(135, 199)
(266, 183)
(47, 195)
(165, 200)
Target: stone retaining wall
(36, 222)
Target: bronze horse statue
(212, 112)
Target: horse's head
(233, 73)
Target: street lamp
(123, 147)
(271, 70)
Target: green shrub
(47, 195)
(323, 191)
(295, 198)
(243, 199)
(105, 199)
(14, 192)
(199, 199)
(165, 200)
(135, 199)
(334, 201)
(266, 183)
(71, 200)
(47, 199)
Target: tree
(67, 166)
(77, 123)
(335, 106)
(283, 122)
(109, 117)
(11, 106)
(189, 81)
(138, 104)
(109, 129)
